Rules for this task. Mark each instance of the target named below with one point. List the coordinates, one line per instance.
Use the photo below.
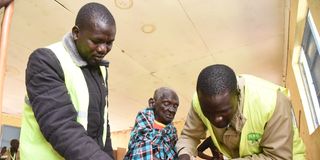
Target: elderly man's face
(95, 41)
(166, 107)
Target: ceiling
(158, 43)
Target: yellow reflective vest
(259, 105)
(33, 145)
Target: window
(7, 134)
(309, 68)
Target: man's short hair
(217, 79)
(93, 12)
(159, 93)
(14, 143)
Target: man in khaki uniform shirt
(227, 123)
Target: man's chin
(93, 63)
(221, 125)
(169, 120)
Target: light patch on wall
(301, 10)
(148, 28)
(124, 4)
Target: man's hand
(184, 157)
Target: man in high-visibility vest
(65, 112)
(246, 117)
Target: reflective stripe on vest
(259, 104)
(32, 143)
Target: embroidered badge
(254, 138)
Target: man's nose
(102, 48)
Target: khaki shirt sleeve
(277, 140)
(193, 131)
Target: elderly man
(153, 135)
(64, 114)
(246, 117)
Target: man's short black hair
(93, 12)
(217, 79)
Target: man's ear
(75, 32)
(151, 102)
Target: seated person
(13, 152)
(207, 143)
(153, 135)
(3, 155)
